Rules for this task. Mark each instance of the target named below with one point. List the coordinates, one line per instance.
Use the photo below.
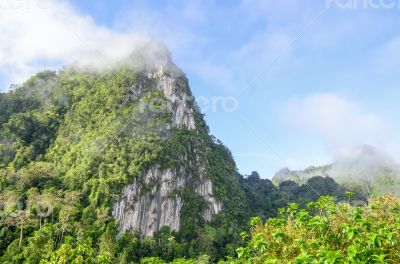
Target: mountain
(299, 176)
(111, 161)
(363, 167)
(124, 145)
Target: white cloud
(339, 122)
(38, 34)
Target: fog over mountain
(363, 165)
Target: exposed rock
(154, 200)
(205, 190)
(151, 204)
(182, 113)
(149, 210)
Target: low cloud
(39, 34)
(132, 51)
(339, 122)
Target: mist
(134, 52)
(369, 167)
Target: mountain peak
(139, 54)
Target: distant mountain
(364, 167)
(299, 176)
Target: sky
(288, 83)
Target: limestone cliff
(153, 200)
(115, 147)
(149, 210)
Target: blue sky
(311, 79)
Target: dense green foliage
(70, 141)
(326, 233)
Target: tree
(326, 233)
(68, 213)
(40, 205)
(13, 214)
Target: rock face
(204, 189)
(148, 211)
(151, 205)
(182, 114)
(153, 200)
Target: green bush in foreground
(326, 233)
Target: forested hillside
(116, 166)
